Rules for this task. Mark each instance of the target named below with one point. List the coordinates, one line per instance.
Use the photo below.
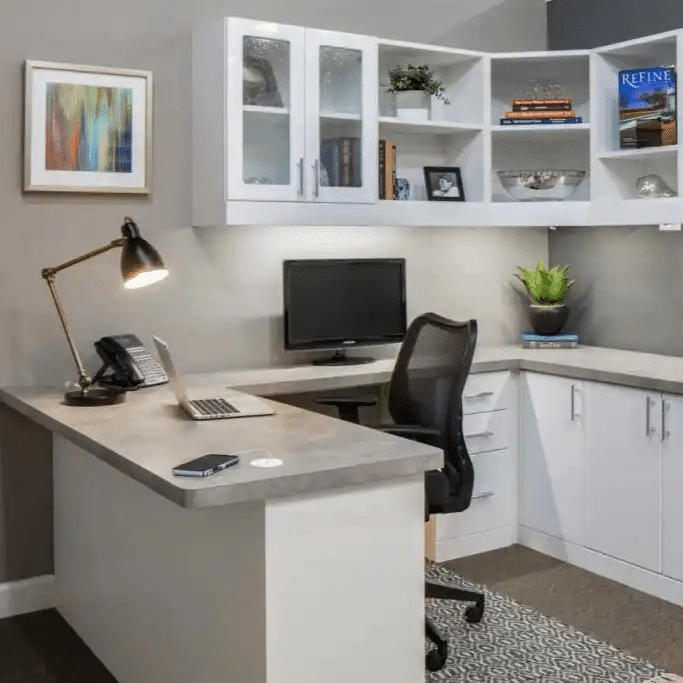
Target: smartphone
(205, 465)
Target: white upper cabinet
(281, 114)
(286, 122)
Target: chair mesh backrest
(429, 377)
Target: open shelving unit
(467, 134)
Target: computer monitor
(343, 303)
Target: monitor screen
(340, 303)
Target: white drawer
(488, 431)
(488, 391)
(493, 498)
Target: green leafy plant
(416, 78)
(546, 287)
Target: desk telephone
(132, 365)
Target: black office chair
(425, 402)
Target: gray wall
(221, 306)
(582, 24)
(628, 293)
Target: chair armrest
(426, 435)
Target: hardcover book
(647, 107)
(526, 122)
(540, 114)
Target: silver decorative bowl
(540, 185)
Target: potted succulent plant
(413, 87)
(547, 290)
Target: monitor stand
(340, 358)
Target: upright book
(647, 107)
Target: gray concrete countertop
(149, 433)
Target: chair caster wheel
(435, 659)
(474, 613)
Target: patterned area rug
(515, 644)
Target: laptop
(207, 404)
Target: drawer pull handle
(483, 494)
(480, 435)
(648, 428)
(480, 394)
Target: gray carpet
(632, 621)
(515, 643)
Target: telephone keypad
(149, 366)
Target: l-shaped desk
(310, 571)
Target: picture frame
(444, 184)
(87, 128)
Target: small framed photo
(87, 128)
(444, 184)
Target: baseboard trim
(471, 544)
(622, 572)
(27, 595)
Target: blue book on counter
(564, 336)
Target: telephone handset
(131, 365)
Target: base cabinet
(672, 486)
(491, 435)
(623, 473)
(552, 456)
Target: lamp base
(95, 397)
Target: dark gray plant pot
(548, 319)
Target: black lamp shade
(140, 262)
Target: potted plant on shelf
(547, 290)
(413, 87)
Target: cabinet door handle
(648, 429)
(571, 408)
(316, 178)
(300, 166)
(665, 431)
(479, 435)
(483, 494)
(481, 394)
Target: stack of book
(387, 169)
(341, 158)
(566, 340)
(542, 110)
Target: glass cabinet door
(265, 111)
(341, 117)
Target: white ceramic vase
(413, 105)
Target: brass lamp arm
(49, 275)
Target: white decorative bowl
(540, 185)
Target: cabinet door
(341, 117)
(265, 111)
(623, 477)
(672, 487)
(552, 456)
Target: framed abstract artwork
(87, 129)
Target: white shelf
(643, 152)
(392, 124)
(255, 109)
(339, 116)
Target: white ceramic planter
(413, 105)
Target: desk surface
(149, 434)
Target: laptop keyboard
(213, 406)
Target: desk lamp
(141, 265)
